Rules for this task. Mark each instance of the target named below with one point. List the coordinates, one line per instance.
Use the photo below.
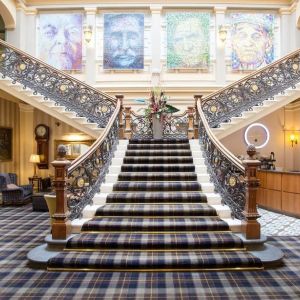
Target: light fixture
(87, 32)
(293, 139)
(260, 135)
(222, 33)
(35, 159)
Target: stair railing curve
(87, 172)
(56, 85)
(225, 169)
(252, 90)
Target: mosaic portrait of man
(188, 40)
(60, 40)
(123, 41)
(252, 40)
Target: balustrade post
(196, 121)
(121, 119)
(250, 225)
(61, 226)
(127, 131)
(191, 123)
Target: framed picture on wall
(5, 144)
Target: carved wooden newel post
(127, 131)
(121, 119)
(61, 226)
(196, 121)
(251, 227)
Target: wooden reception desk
(279, 191)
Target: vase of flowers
(157, 111)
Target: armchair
(13, 194)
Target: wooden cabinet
(279, 191)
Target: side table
(36, 183)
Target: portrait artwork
(60, 40)
(123, 42)
(188, 40)
(5, 144)
(252, 40)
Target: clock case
(43, 146)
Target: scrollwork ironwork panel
(227, 178)
(53, 84)
(252, 90)
(141, 127)
(84, 181)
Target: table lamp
(35, 159)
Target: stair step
(156, 197)
(158, 168)
(162, 152)
(151, 260)
(155, 224)
(157, 186)
(155, 241)
(158, 176)
(159, 141)
(158, 160)
(156, 210)
(158, 146)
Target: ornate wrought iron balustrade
(226, 171)
(56, 85)
(174, 126)
(252, 90)
(88, 171)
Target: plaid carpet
(21, 230)
(158, 176)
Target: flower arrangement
(157, 105)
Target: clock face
(41, 131)
(257, 134)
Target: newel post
(250, 225)
(196, 121)
(127, 131)
(191, 122)
(61, 226)
(121, 119)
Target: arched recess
(8, 13)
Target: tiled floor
(277, 224)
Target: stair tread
(160, 152)
(159, 141)
(155, 224)
(98, 260)
(156, 240)
(156, 210)
(158, 168)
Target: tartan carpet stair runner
(156, 218)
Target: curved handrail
(252, 90)
(87, 172)
(57, 85)
(226, 170)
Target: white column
(17, 36)
(27, 142)
(156, 43)
(286, 31)
(90, 64)
(220, 48)
(31, 37)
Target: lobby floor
(274, 224)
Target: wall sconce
(293, 139)
(222, 33)
(87, 32)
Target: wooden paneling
(274, 181)
(262, 176)
(273, 199)
(291, 203)
(291, 183)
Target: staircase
(159, 212)
(257, 112)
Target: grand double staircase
(161, 213)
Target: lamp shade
(34, 158)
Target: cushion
(11, 186)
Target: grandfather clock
(42, 140)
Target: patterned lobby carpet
(21, 230)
